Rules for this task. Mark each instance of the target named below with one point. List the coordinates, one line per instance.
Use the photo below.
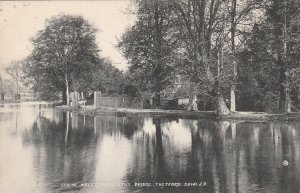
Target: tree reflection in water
(64, 153)
(228, 156)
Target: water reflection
(58, 147)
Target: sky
(21, 20)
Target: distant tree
(4, 88)
(9, 87)
(107, 78)
(62, 51)
(1, 87)
(14, 69)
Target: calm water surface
(45, 150)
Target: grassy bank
(247, 116)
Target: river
(46, 150)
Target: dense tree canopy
(66, 58)
(223, 48)
(149, 47)
(270, 60)
(209, 50)
(63, 53)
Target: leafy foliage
(64, 50)
(149, 47)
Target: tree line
(229, 54)
(223, 55)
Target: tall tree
(273, 51)
(148, 45)
(209, 31)
(258, 73)
(64, 48)
(280, 18)
(200, 25)
(241, 17)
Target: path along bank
(243, 116)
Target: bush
(270, 102)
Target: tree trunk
(282, 79)
(157, 100)
(233, 87)
(287, 86)
(298, 99)
(192, 97)
(158, 51)
(234, 64)
(67, 90)
(64, 96)
(287, 100)
(18, 91)
(232, 99)
(221, 107)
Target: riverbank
(245, 116)
(9, 101)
